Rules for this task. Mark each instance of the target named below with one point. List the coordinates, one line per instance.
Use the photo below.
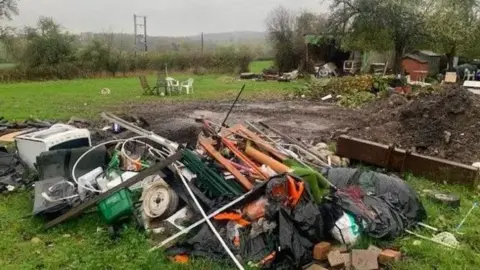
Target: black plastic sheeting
(297, 231)
(386, 204)
(13, 172)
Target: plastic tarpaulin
(385, 205)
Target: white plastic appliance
(58, 136)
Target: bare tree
(281, 27)
(8, 8)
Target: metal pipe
(204, 215)
(293, 141)
(233, 105)
(430, 239)
(198, 223)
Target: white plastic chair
(188, 86)
(172, 85)
(469, 75)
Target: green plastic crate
(117, 206)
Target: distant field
(259, 66)
(7, 65)
(62, 99)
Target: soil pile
(444, 124)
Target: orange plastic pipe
(265, 159)
(226, 163)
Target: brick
(375, 249)
(364, 259)
(316, 267)
(389, 256)
(335, 259)
(346, 259)
(342, 249)
(320, 251)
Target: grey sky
(165, 17)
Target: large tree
(8, 8)
(453, 28)
(380, 25)
(281, 27)
(48, 44)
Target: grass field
(62, 99)
(259, 66)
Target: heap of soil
(445, 124)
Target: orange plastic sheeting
(226, 163)
(265, 159)
(232, 216)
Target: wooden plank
(10, 137)
(226, 163)
(451, 77)
(132, 181)
(434, 169)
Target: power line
(140, 40)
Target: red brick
(335, 259)
(389, 256)
(346, 259)
(342, 249)
(364, 259)
(375, 248)
(320, 251)
(316, 267)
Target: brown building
(415, 66)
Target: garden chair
(147, 90)
(187, 85)
(172, 85)
(161, 83)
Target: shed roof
(416, 58)
(429, 53)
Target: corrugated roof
(416, 57)
(429, 53)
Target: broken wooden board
(226, 163)
(130, 182)
(435, 169)
(10, 137)
(451, 77)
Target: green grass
(62, 99)
(75, 244)
(428, 255)
(7, 65)
(259, 66)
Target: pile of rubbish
(244, 193)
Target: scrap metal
(130, 182)
(392, 158)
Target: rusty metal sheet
(434, 169)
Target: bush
(354, 90)
(356, 99)
(225, 60)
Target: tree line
(47, 52)
(450, 27)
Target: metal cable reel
(159, 200)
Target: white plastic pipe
(204, 215)
(198, 223)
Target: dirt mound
(444, 124)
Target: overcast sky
(165, 17)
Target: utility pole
(140, 39)
(202, 42)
